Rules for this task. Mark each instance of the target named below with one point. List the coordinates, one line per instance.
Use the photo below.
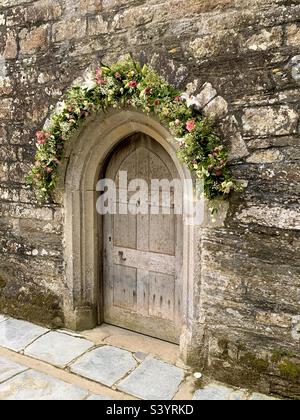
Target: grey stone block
(106, 365)
(261, 397)
(153, 380)
(32, 385)
(98, 398)
(8, 369)
(16, 335)
(216, 392)
(58, 349)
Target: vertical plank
(143, 292)
(125, 287)
(125, 230)
(162, 231)
(161, 296)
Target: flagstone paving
(35, 385)
(143, 382)
(98, 398)
(16, 335)
(39, 364)
(214, 392)
(106, 365)
(58, 349)
(260, 397)
(8, 369)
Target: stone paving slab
(98, 398)
(32, 385)
(57, 348)
(16, 335)
(106, 365)
(153, 380)
(9, 369)
(216, 392)
(261, 397)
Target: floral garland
(128, 84)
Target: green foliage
(128, 84)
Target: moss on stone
(290, 370)
(279, 354)
(40, 309)
(254, 362)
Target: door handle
(121, 254)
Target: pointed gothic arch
(84, 159)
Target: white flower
(89, 82)
(65, 127)
(191, 101)
(204, 172)
(47, 125)
(227, 186)
(60, 107)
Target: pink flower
(133, 84)
(190, 125)
(99, 77)
(177, 99)
(100, 81)
(49, 170)
(118, 75)
(218, 172)
(156, 102)
(42, 137)
(99, 72)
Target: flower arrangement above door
(127, 84)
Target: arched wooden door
(142, 254)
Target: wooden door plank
(143, 292)
(148, 261)
(161, 296)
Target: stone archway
(83, 161)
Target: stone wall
(247, 324)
